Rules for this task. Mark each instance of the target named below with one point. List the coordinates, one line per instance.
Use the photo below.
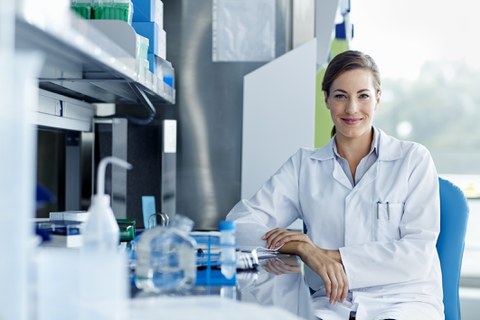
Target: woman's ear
(379, 94)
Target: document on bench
(264, 253)
(249, 239)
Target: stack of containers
(148, 22)
(141, 56)
(104, 9)
(84, 8)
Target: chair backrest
(451, 242)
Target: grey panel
(111, 140)
(72, 171)
(209, 112)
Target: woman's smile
(351, 121)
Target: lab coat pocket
(387, 226)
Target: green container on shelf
(82, 8)
(113, 11)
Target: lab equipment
(81, 216)
(228, 258)
(127, 229)
(57, 284)
(247, 260)
(113, 10)
(148, 11)
(166, 257)
(148, 209)
(83, 8)
(60, 233)
(104, 9)
(104, 285)
(158, 218)
(101, 229)
(208, 258)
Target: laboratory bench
(275, 290)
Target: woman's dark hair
(332, 133)
(346, 61)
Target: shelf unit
(82, 63)
(82, 66)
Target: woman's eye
(340, 96)
(364, 96)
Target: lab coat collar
(324, 153)
(389, 148)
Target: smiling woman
(370, 204)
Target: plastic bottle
(104, 285)
(228, 258)
(166, 257)
(101, 230)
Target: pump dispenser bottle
(104, 285)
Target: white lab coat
(385, 227)
(287, 291)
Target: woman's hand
(276, 238)
(326, 263)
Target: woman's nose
(351, 106)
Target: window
(427, 53)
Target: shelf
(82, 63)
(56, 111)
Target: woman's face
(352, 102)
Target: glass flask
(166, 257)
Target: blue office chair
(451, 243)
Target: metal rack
(82, 63)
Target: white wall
(278, 114)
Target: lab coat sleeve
(413, 256)
(274, 205)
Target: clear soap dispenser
(104, 285)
